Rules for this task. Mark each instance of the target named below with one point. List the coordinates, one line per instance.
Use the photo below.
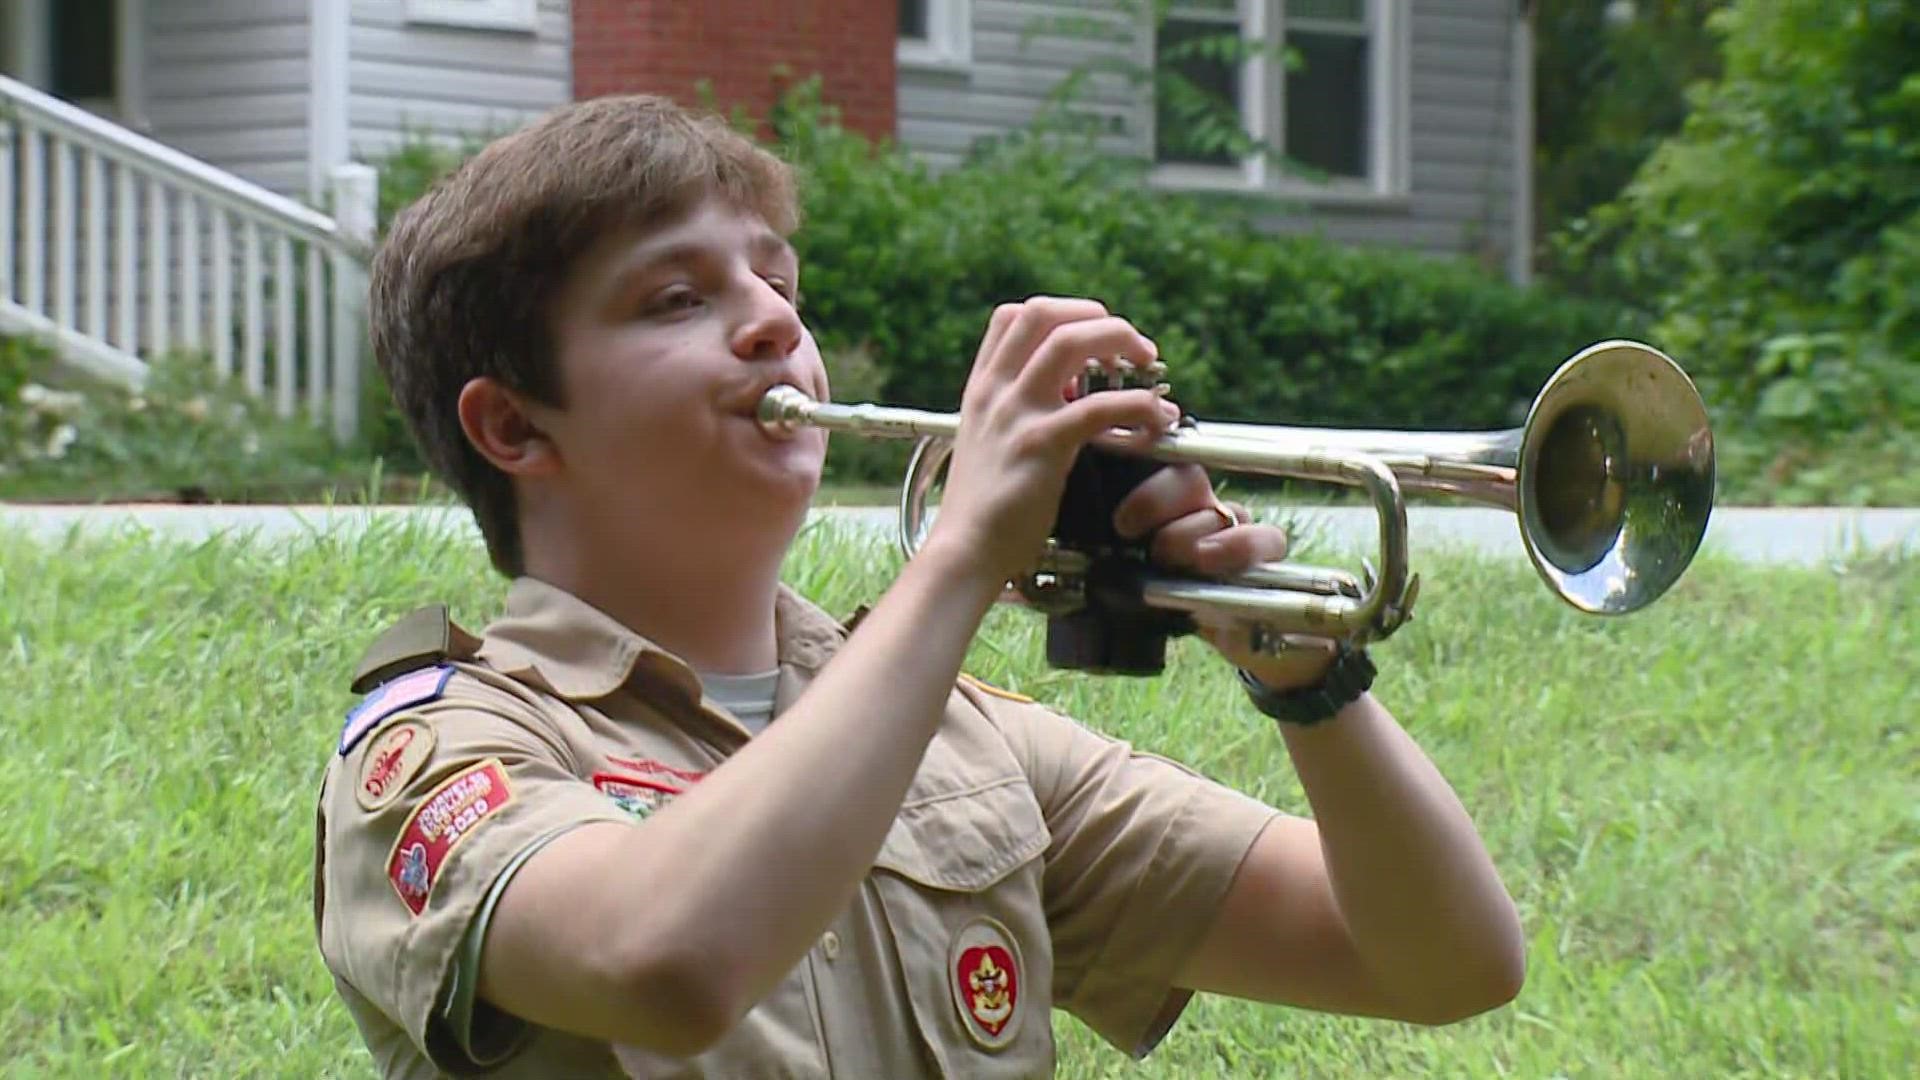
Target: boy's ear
(497, 422)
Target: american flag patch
(408, 690)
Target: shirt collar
(582, 653)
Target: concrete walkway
(1798, 536)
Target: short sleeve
(421, 819)
(1143, 851)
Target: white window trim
(949, 41)
(1263, 108)
(523, 15)
(130, 66)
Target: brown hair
(462, 286)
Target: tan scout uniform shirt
(1033, 865)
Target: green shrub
(187, 434)
(31, 421)
(1776, 237)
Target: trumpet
(1610, 479)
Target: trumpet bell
(1615, 479)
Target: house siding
(228, 83)
(1458, 199)
(1019, 56)
(450, 82)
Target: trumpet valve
(1123, 374)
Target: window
(476, 14)
(86, 52)
(935, 33)
(85, 39)
(1319, 82)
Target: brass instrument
(1611, 479)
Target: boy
(666, 818)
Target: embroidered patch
(418, 688)
(638, 797)
(448, 815)
(986, 972)
(392, 759)
(989, 688)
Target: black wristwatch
(1350, 675)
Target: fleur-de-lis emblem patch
(985, 973)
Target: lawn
(1709, 811)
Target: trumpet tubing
(1610, 480)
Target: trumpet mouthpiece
(783, 410)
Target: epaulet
(989, 688)
(424, 636)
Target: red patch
(445, 817)
(989, 984)
(395, 756)
(386, 764)
(984, 960)
(655, 768)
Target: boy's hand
(1019, 433)
(1193, 531)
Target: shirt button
(830, 944)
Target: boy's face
(666, 340)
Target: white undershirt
(747, 697)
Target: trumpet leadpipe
(784, 410)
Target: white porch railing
(118, 249)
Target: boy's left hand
(1193, 531)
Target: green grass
(1709, 812)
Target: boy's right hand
(1019, 433)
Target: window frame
(1263, 110)
(949, 40)
(514, 15)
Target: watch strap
(1350, 675)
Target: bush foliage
(186, 435)
(908, 263)
(1775, 238)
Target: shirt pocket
(958, 881)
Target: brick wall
(670, 46)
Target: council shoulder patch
(448, 815)
(392, 759)
(404, 692)
(986, 976)
(989, 688)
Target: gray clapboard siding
(1461, 121)
(1016, 63)
(449, 81)
(228, 82)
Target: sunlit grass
(1709, 811)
